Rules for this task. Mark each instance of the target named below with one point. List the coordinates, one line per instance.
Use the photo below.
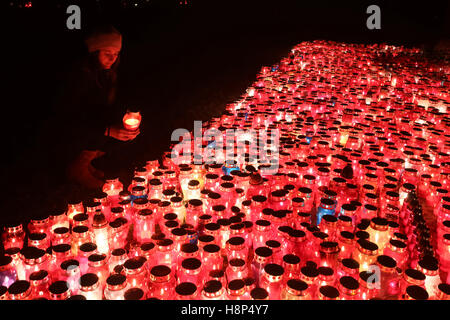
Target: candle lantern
(100, 229)
(348, 288)
(213, 290)
(365, 254)
(272, 280)
(369, 285)
(13, 235)
(136, 273)
(70, 272)
(90, 287)
(116, 286)
(295, 289)
(236, 269)
(162, 282)
(59, 290)
(20, 290)
(40, 281)
(132, 120)
(97, 264)
(8, 274)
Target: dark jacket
(86, 107)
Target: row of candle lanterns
(361, 150)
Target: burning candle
(132, 120)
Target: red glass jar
(346, 243)
(59, 290)
(190, 270)
(20, 290)
(13, 236)
(116, 286)
(295, 289)
(70, 272)
(136, 273)
(34, 260)
(348, 288)
(40, 281)
(262, 233)
(144, 225)
(236, 248)
(213, 290)
(211, 257)
(272, 280)
(164, 254)
(397, 249)
(416, 293)
(236, 290)
(90, 287)
(236, 269)
(97, 264)
(162, 282)
(329, 252)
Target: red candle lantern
(132, 120)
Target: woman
(91, 114)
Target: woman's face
(107, 57)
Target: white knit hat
(107, 38)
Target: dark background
(181, 61)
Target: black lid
(38, 275)
(273, 244)
(58, 287)
(417, 292)
(329, 292)
(147, 246)
(88, 279)
(186, 289)
(118, 252)
(216, 273)
(96, 257)
(88, 247)
(134, 263)
(206, 238)
(263, 252)
(386, 261)
(310, 271)
(236, 241)
(191, 263)
(160, 271)
(415, 274)
(19, 286)
(116, 279)
(325, 271)
(291, 259)
(189, 247)
(237, 262)
(349, 282)
(297, 284)
(134, 294)
(212, 286)
(350, 263)
(259, 294)
(236, 284)
(69, 263)
(63, 247)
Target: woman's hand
(120, 133)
